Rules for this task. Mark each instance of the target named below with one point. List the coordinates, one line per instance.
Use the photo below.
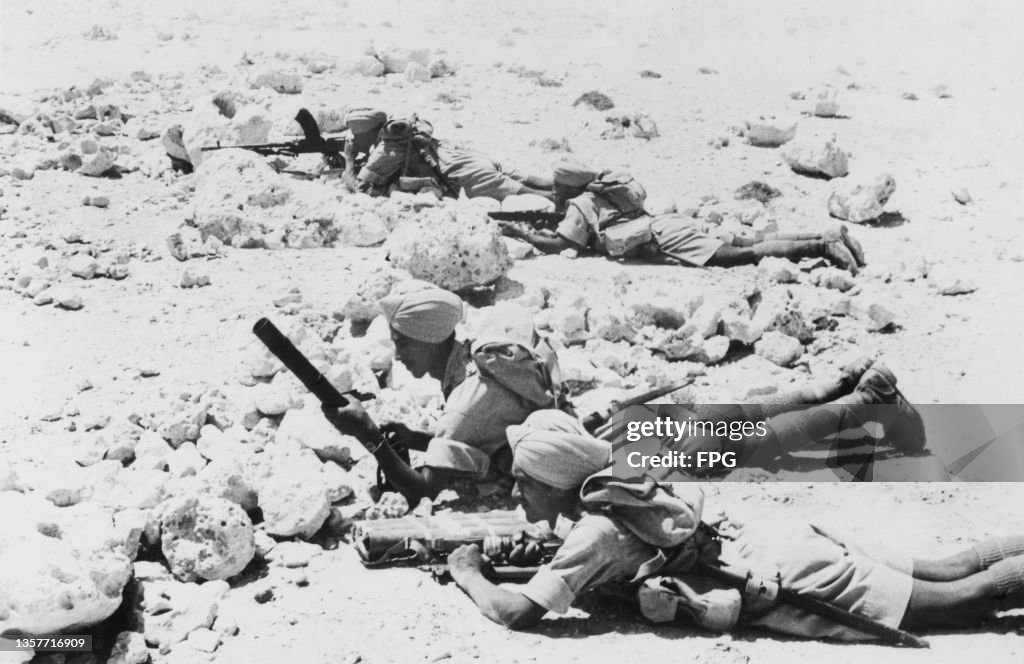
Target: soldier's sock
(1008, 577)
(993, 550)
(803, 429)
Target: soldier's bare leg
(795, 250)
(841, 235)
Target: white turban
(552, 447)
(573, 173)
(422, 311)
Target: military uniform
(480, 404)
(588, 216)
(477, 174)
(809, 558)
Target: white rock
(769, 131)
(654, 309)
(231, 479)
(739, 327)
(962, 196)
(780, 312)
(779, 348)
(182, 423)
(365, 66)
(238, 198)
(337, 482)
(205, 537)
(23, 173)
(778, 270)
(173, 610)
(832, 277)
(273, 400)
(9, 480)
(129, 648)
(58, 569)
(285, 82)
(65, 297)
(415, 72)
(292, 505)
(190, 279)
(396, 60)
(713, 350)
(15, 109)
(705, 320)
(453, 251)
(83, 266)
(879, 311)
(518, 249)
(817, 158)
(825, 104)
(294, 554)
(948, 281)
(861, 200)
(604, 322)
(185, 460)
(310, 429)
(204, 639)
(97, 163)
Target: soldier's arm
(547, 243)
(510, 609)
(413, 484)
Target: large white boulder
(60, 569)
(817, 157)
(205, 537)
(451, 249)
(861, 199)
(292, 495)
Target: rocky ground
(168, 488)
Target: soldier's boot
(903, 425)
(842, 234)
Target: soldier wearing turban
(650, 533)
(494, 381)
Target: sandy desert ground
(74, 376)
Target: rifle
(332, 148)
(536, 219)
(749, 584)
(513, 545)
(596, 421)
(425, 542)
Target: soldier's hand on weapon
(398, 432)
(353, 420)
(466, 560)
(511, 229)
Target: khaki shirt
(472, 425)
(811, 559)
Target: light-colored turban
(572, 173)
(422, 311)
(552, 447)
(363, 120)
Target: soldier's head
(365, 125)
(422, 318)
(397, 148)
(552, 455)
(571, 178)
